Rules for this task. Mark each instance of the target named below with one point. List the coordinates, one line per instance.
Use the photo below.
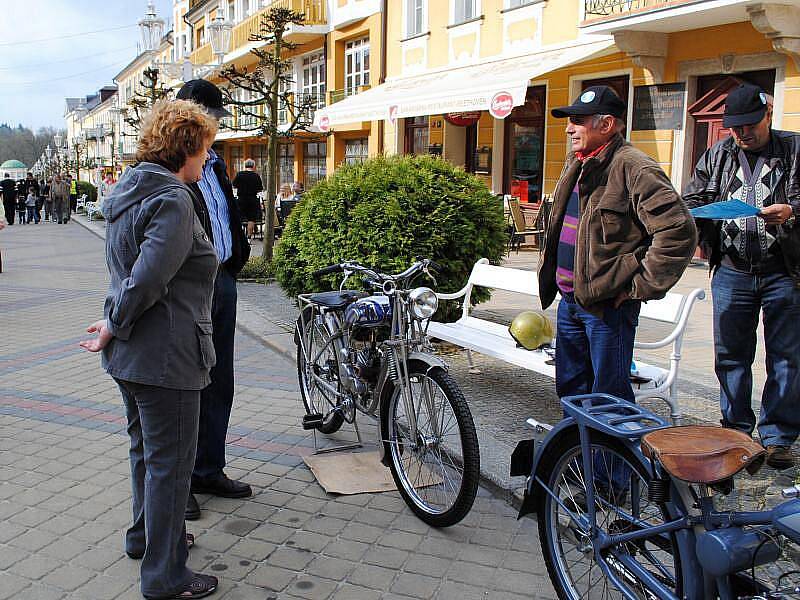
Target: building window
(201, 36)
(415, 17)
(236, 159)
(285, 164)
(465, 10)
(516, 3)
(416, 129)
(524, 149)
(313, 76)
(313, 163)
(356, 58)
(356, 151)
(232, 10)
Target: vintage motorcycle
(369, 352)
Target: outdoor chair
(524, 226)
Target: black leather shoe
(192, 509)
(221, 485)
(200, 586)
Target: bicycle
(625, 507)
(369, 352)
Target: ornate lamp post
(151, 28)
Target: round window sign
(324, 124)
(501, 106)
(587, 97)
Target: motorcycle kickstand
(347, 446)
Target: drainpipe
(382, 78)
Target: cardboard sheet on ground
(356, 473)
(728, 209)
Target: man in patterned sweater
(756, 267)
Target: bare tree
(152, 90)
(271, 109)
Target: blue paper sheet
(728, 209)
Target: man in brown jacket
(59, 192)
(619, 234)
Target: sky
(54, 49)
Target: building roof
(13, 164)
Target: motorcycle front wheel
(436, 468)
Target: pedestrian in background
(755, 263)
(73, 196)
(220, 216)
(9, 191)
(47, 201)
(59, 194)
(162, 268)
(30, 207)
(21, 202)
(248, 185)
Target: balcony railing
(608, 8)
(309, 102)
(202, 56)
(314, 11)
(335, 96)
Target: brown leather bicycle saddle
(703, 453)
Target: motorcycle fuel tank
(371, 311)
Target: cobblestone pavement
(65, 499)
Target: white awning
(486, 86)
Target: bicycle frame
(628, 423)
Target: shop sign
(463, 119)
(324, 124)
(501, 105)
(658, 106)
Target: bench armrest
(676, 333)
(454, 295)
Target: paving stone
(35, 567)
(252, 549)
(427, 565)
(346, 549)
(329, 568)
(372, 576)
(414, 585)
(13, 585)
(102, 587)
(270, 577)
(290, 558)
(68, 577)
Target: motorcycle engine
(368, 364)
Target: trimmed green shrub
(257, 268)
(384, 212)
(84, 187)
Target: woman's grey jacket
(162, 268)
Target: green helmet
(531, 330)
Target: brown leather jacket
(635, 234)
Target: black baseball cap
(206, 94)
(594, 100)
(745, 105)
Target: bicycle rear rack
(611, 415)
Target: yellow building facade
(672, 61)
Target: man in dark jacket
(216, 207)
(618, 235)
(756, 267)
(9, 192)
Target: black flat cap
(206, 94)
(594, 100)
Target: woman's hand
(103, 336)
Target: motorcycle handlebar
(327, 270)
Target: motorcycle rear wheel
(317, 399)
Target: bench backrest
(667, 310)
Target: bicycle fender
(539, 450)
(385, 387)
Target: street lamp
(151, 28)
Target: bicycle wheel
(437, 469)
(323, 363)
(620, 488)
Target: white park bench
(493, 339)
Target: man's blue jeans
(738, 299)
(594, 354)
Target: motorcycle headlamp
(423, 302)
